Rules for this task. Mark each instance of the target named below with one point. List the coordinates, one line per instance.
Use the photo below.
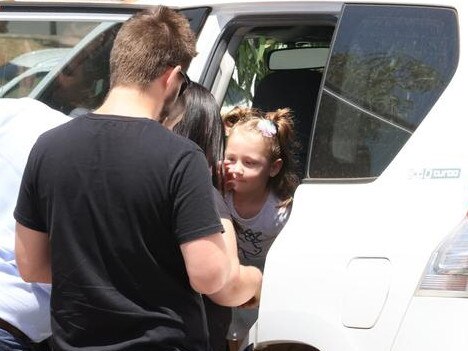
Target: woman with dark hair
(197, 118)
(200, 121)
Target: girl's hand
(228, 175)
(221, 174)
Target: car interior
(288, 74)
(296, 89)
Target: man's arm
(32, 251)
(211, 260)
(207, 263)
(244, 290)
(244, 282)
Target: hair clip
(267, 128)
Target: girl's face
(247, 162)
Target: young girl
(261, 180)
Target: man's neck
(131, 102)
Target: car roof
(210, 3)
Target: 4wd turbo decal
(435, 173)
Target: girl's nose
(237, 168)
(233, 168)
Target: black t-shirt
(117, 196)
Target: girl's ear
(276, 167)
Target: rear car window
(388, 67)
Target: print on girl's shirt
(255, 235)
(252, 243)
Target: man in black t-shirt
(118, 212)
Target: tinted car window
(388, 67)
(30, 49)
(84, 81)
(23, 87)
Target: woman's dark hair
(202, 123)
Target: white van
(375, 254)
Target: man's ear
(276, 167)
(169, 77)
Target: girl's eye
(250, 163)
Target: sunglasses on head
(185, 83)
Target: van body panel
(402, 216)
(433, 324)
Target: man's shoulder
(56, 133)
(185, 143)
(175, 143)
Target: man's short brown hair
(147, 44)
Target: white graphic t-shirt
(255, 235)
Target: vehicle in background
(24, 72)
(374, 255)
